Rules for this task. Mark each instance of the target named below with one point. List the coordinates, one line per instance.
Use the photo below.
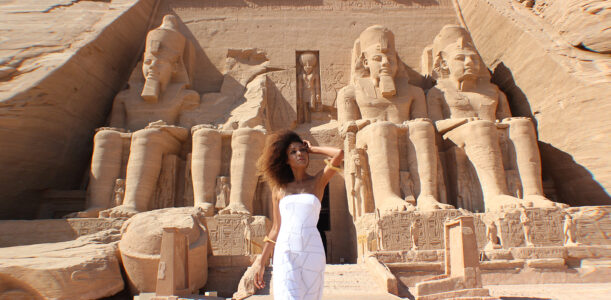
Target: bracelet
(331, 166)
(266, 239)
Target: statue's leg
(143, 167)
(421, 136)
(105, 169)
(380, 138)
(205, 167)
(522, 135)
(246, 147)
(481, 143)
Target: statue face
(463, 64)
(158, 68)
(380, 62)
(308, 61)
(297, 155)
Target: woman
(299, 257)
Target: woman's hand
(308, 145)
(259, 271)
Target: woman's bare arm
(323, 177)
(268, 247)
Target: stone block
(85, 268)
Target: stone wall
(61, 63)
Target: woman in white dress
(299, 257)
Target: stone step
(368, 296)
(349, 282)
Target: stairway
(344, 282)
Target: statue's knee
(104, 137)
(203, 131)
(205, 134)
(148, 134)
(420, 127)
(520, 126)
(382, 129)
(482, 128)
(248, 136)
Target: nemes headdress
(166, 41)
(450, 37)
(376, 35)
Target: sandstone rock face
(565, 89)
(85, 268)
(61, 62)
(140, 246)
(581, 23)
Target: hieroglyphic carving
(593, 225)
(394, 229)
(333, 78)
(236, 234)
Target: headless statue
(384, 106)
(467, 107)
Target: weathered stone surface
(140, 246)
(85, 268)
(22, 232)
(563, 88)
(62, 62)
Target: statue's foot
(92, 212)
(206, 208)
(542, 202)
(121, 211)
(505, 202)
(427, 203)
(234, 209)
(396, 204)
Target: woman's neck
(299, 174)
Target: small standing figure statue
(407, 187)
(492, 236)
(222, 192)
(570, 230)
(119, 191)
(414, 232)
(361, 194)
(308, 87)
(527, 226)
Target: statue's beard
(387, 86)
(151, 90)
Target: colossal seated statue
(384, 106)
(139, 125)
(467, 108)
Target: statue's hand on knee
(121, 211)
(235, 209)
(428, 203)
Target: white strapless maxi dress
(299, 256)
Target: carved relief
(222, 192)
(236, 234)
(308, 86)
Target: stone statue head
(374, 56)
(455, 56)
(308, 61)
(163, 59)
